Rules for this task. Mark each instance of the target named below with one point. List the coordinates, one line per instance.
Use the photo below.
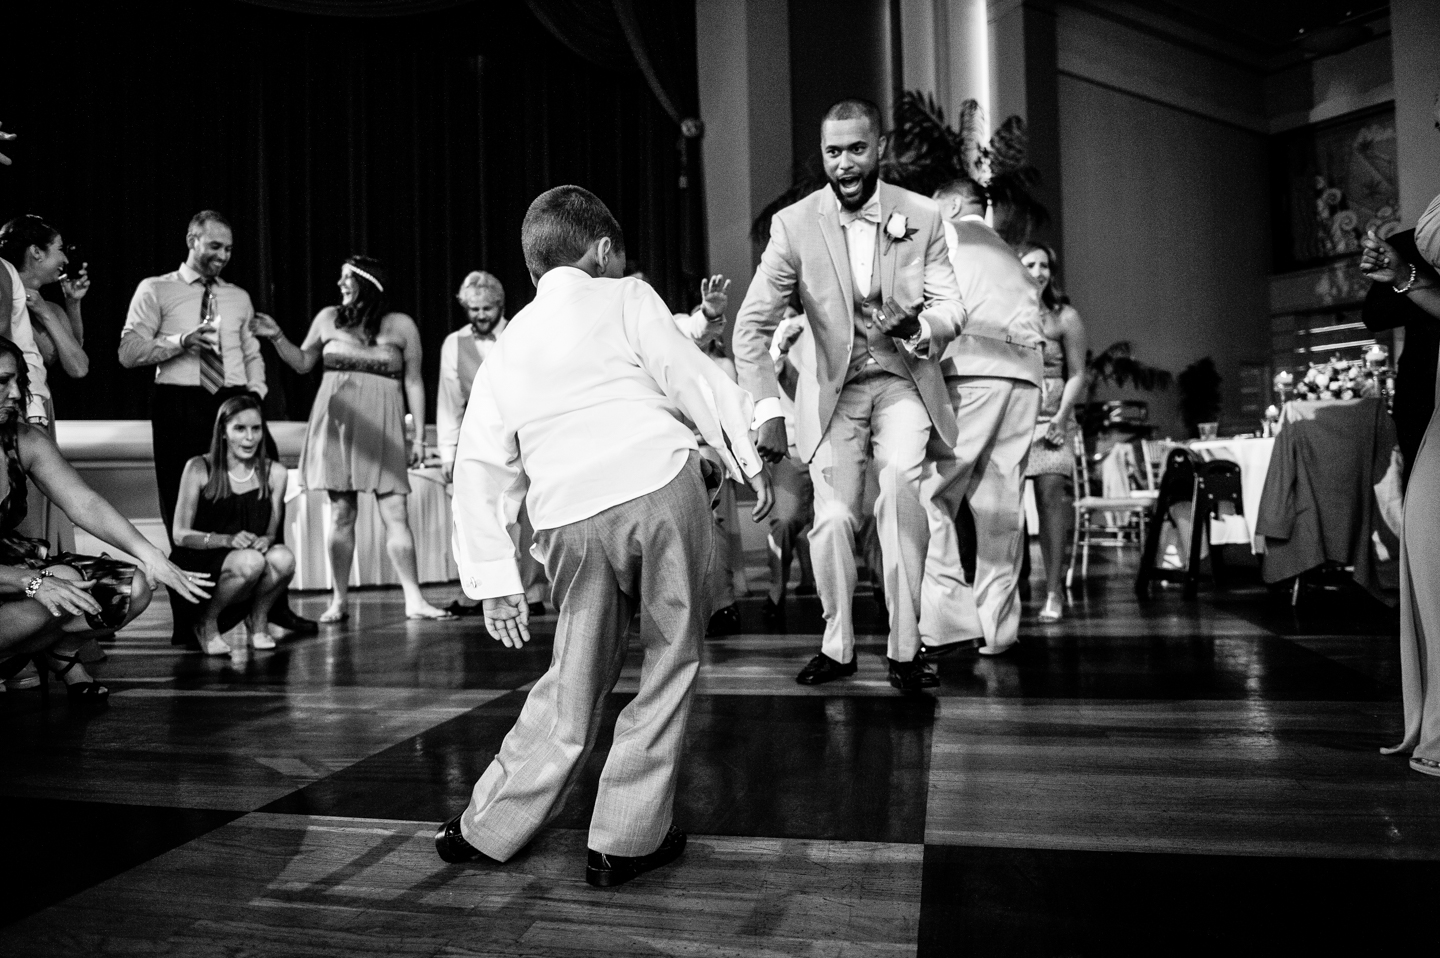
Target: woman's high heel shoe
(79, 693)
(1054, 609)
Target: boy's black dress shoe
(453, 847)
(822, 669)
(537, 609)
(772, 613)
(607, 871)
(912, 676)
(460, 610)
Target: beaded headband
(358, 271)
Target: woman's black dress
(245, 512)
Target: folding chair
(1103, 520)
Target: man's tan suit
(868, 395)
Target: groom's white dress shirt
(582, 405)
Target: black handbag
(113, 579)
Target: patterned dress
(1045, 459)
(356, 438)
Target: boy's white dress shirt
(584, 404)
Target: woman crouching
(225, 523)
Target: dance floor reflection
(1177, 778)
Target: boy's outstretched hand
(507, 619)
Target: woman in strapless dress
(1052, 450)
(355, 441)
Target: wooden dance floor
(1177, 778)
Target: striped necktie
(212, 366)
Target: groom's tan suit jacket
(807, 254)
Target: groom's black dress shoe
(935, 651)
(912, 676)
(822, 669)
(607, 871)
(453, 847)
(285, 617)
(725, 621)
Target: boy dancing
(577, 413)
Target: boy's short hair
(966, 187)
(560, 226)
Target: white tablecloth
(307, 517)
(1253, 457)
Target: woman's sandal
(79, 693)
(1425, 766)
(261, 641)
(1054, 609)
(333, 617)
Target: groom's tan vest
(870, 342)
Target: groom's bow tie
(870, 213)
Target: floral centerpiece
(1337, 379)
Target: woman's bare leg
(238, 576)
(343, 509)
(400, 544)
(1056, 506)
(279, 568)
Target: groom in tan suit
(869, 263)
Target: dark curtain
(657, 39)
(662, 38)
(589, 29)
(418, 139)
(359, 8)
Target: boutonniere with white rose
(897, 229)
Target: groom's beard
(868, 185)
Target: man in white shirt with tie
(993, 372)
(869, 264)
(194, 328)
(577, 413)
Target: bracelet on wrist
(1409, 283)
(33, 586)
